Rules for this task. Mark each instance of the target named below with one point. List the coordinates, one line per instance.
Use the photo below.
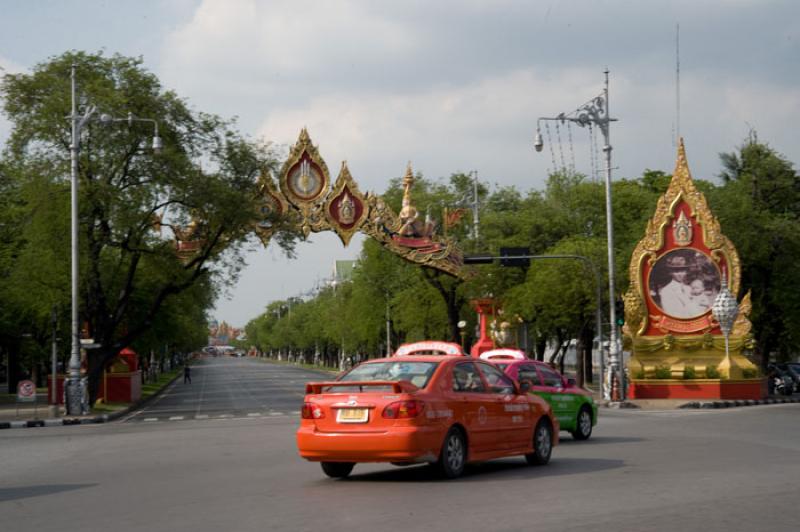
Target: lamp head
(157, 144)
(538, 143)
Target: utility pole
(596, 112)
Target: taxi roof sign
(515, 354)
(429, 347)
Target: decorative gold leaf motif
(272, 206)
(304, 183)
(346, 208)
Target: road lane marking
(176, 418)
(276, 413)
(201, 416)
(151, 419)
(254, 414)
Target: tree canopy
(134, 287)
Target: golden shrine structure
(681, 273)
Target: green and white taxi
(573, 406)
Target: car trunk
(360, 406)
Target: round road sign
(26, 390)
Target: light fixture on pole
(75, 388)
(596, 112)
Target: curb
(618, 404)
(740, 402)
(103, 418)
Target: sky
(450, 85)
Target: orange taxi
(427, 403)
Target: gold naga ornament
(306, 197)
(188, 240)
(676, 272)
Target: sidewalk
(672, 404)
(25, 415)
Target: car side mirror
(571, 382)
(525, 386)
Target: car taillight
(312, 411)
(403, 409)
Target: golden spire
(408, 182)
(681, 172)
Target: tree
(758, 206)
(201, 187)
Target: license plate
(352, 415)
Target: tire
(337, 469)
(583, 424)
(542, 444)
(453, 456)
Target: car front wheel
(542, 444)
(453, 457)
(583, 425)
(337, 469)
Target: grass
(152, 388)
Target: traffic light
(619, 310)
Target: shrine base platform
(697, 389)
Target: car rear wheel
(583, 425)
(453, 457)
(337, 469)
(542, 444)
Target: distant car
(446, 410)
(573, 406)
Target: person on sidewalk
(187, 374)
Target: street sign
(26, 391)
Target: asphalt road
(733, 469)
(226, 387)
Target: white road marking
(254, 414)
(201, 416)
(151, 419)
(276, 413)
(176, 418)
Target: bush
(689, 372)
(750, 373)
(712, 372)
(663, 372)
(639, 374)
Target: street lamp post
(75, 388)
(596, 112)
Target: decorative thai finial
(725, 308)
(408, 182)
(682, 164)
(408, 210)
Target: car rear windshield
(417, 373)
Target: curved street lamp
(595, 112)
(74, 387)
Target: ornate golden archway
(305, 195)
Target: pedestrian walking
(187, 374)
